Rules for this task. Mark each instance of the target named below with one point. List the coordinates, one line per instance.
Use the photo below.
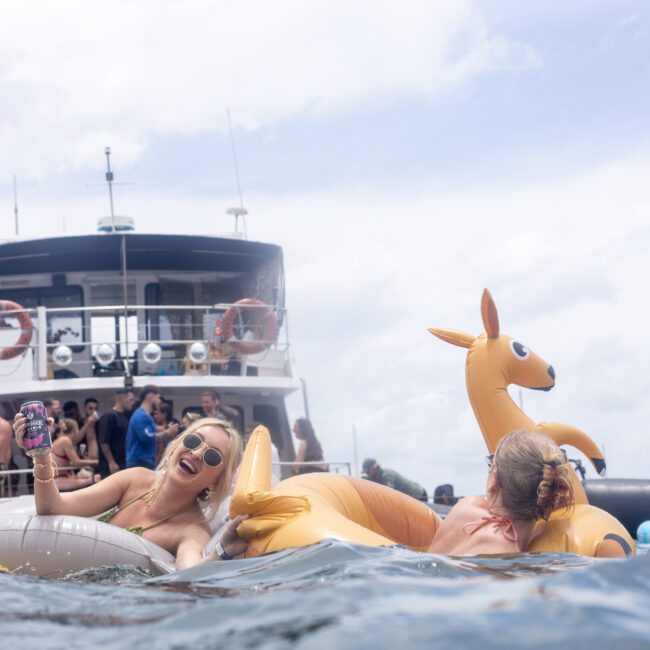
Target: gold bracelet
(53, 469)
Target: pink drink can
(37, 440)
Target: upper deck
(111, 295)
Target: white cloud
(76, 75)
(566, 260)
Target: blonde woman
(165, 505)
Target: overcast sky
(405, 156)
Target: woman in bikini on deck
(528, 479)
(162, 506)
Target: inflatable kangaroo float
(309, 508)
(494, 361)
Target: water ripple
(337, 595)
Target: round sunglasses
(212, 457)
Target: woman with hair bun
(528, 479)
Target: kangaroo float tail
(253, 496)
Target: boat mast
(128, 380)
(239, 211)
(109, 181)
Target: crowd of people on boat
(89, 446)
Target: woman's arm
(87, 502)
(196, 536)
(66, 448)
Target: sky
(405, 156)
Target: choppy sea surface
(333, 595)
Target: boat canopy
(102, 252)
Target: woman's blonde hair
(532, 475)
(68, 426)
(231, 460)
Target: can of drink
(37, 440)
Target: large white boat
(120, 308)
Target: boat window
(110, 295)
(109, 328)
(64, 327)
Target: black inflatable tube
(627, 499)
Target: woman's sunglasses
(212, 457)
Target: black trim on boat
(102, 252)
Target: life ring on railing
(26, 329)
(259, 322)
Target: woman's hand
(20, 424)
(231, 542)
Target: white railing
(106, 341)
(334, 467)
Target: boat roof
(102, 252)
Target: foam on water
(335, 595)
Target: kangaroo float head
(502, 359)
(494, 361)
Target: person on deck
(142, 432)
(213, 408)
(373, 471)
(7, 482)
(87, 430)
(64, 455)
(111, 434)
(309, 449)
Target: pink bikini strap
(509, 531)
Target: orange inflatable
(495, 360)
(308, 508)
(26, 329)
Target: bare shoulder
(467, 504)
(135, 477)
(475, 502)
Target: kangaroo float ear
(489, 315)
(451, 336)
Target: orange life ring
(260, 320)
(26, 329)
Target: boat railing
(139, 340)
(334, 467)
(6, 486)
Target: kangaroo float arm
(565, 434)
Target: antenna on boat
(113, 223)
(122, 225)
(109, 180)
(239, 211)
(15, 205)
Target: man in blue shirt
(142, 433)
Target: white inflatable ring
(61, 544)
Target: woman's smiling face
(189, 465)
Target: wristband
(221, 552)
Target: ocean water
(333, 595)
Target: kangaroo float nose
(551, 372)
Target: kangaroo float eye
(519, 350)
